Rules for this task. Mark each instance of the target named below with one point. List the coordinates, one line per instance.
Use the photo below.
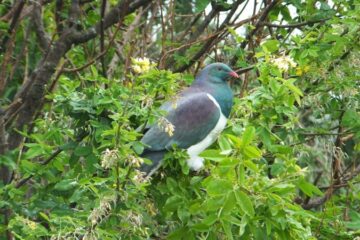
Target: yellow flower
(141, 65)
(32, 225)
(283, 62)
(137, 69)
(306, 68)
(299, 71)
(302, 70)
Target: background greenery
(74, 104)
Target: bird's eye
(219, 68)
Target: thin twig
(294, 25)
(102, 38)
(98, 56)
(13, 24)
(59, 150)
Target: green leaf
(65, 185)
(4, 25)
(195, 180)
(35, 150)
(249, 164)
(281, 149)
(268, 226)
(235, 140)
(243, 224)
(210, 220)
(172, 203)
(351, 118)
(245, 203)
(270, 45)
(213, 203)
(224, 144)
(229, 163)
(247, 136)
(91, 160)
(293, 88)
(9, 161)
(172, 185)
(308, 188)
(69, 145)
(237, 37)
(179, 233)
(183, 214)
(213, 155)
(265, 136)
(138, 147)
(200, 227)
(252, 152)
(218, 187)
(233, 220)
(76, 196)
(282, 188)
(58, 163)
(229, 204)
(29, 166)
(286, 13)
(44, 216)
(82, 150)
(355, 220)
(227, 229)
(200, 5)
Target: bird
(193, 119)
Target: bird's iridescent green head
(216, 73)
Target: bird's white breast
(195, 162)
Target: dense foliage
(77, 93)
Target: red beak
(234, 74)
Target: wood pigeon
(194, 119)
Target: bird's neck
(221, 92)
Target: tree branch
(100, 56)
(257, 27)
(58, 19)
(13, 24)
(110, 19)
(295, 25)
(315, 202)
(44, 39)
(49, 159)
(337, 180)
(212, 40)
(33, 90)
(102, 37)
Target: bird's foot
(195, 163)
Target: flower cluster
(141, 65)
(140, 177)
(283, 62)
(134, 218)
(166, 126)
(134, 161)
(146, 101)
(29, 223)
(98, 214)
(109, 158)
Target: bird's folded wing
(193, 116)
